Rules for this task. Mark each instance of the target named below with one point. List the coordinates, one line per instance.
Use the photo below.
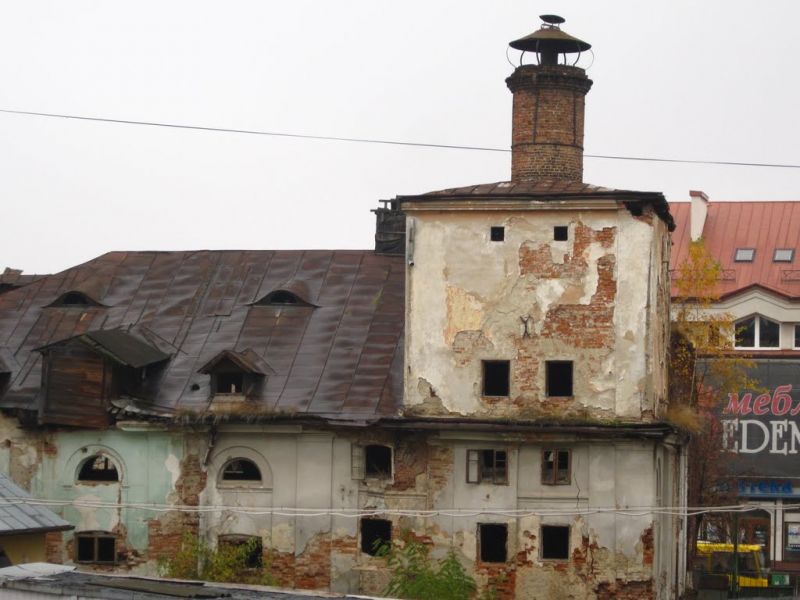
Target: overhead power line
(332, 138)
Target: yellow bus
(717, 559)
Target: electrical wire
(332, 138)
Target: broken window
(559, 378)
(241, 469)
(489, 466)
(560, 233)
(95, 547)
(496, 377)
(757, 332)
(98, 468)
(555, 542)
(376, 534)
(493, 542)
(378, 461)
(555, 467)
(497, 234)
(249, 547)
(229, 383)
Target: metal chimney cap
(550, 39)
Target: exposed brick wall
(54, 547)
(547, 122)
(625, 590)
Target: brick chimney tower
(547, 127)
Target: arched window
(282, 298)
(241, 469)
(98, 468)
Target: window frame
(756, 333)
(554, 480)
(223, 482)
(744, 260)
(93, 458)
(783, 260)
(475, 456)
(95, 535)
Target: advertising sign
(763, 428)
(793, 536)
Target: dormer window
(235, 373)
(282, 298)
(744, 255)
(757, 332)
(229, 383)
(73, 299)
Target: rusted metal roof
(339, 358)
(764, 226)
(120, 346)
(547, 190)
(11, 279)
(244, 360)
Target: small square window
(496, 377)
(246, 547)
(229, 383)
(783, 255)
(489, 466)
(96, 547)
(493, 541)
(560, 233)
(555, 542)
(556, 467)
(497, 234)
(378, 461)
(376, 534)
(558, 377)
(745, 254)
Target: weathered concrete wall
(24, 548)
(597, 299)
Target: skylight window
(745, 254)
(783, 255)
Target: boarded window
(555, 542)
(496, 377)
(96, 547)
(556, 467)
(375, 535)
(489, 466)
(241, 469)
(98, 468)
(248, 547)
(560, 233)
(493, 542)
(378, 461)
(558, 377)
(497, 234)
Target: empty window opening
(378, 461)
(559, 378)
(497, 234)
(74, 299)
(555, 542)
(98, 468)
(229, 383)
(496, 377)
(493, 541)
(745, 254)
(96, 547)
(489, 466)
(282, 298)
(560, 233)
(783, 255)
(757, 332)
(248, 548)
(376, 535)
(241, 469)
(555, 467)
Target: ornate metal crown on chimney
(547, 128)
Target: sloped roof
(544, 190)
(120, 346)
(341, 358)
(17, 516)
(764, 226)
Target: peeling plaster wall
(597, 299)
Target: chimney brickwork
(547, 127)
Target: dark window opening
(5, 561)
(229, 383)
(493, 541)
(560, 233)
(241, 469)
(797, 336)
(559, 378)
(282, 298)
(96, 547)
(746, 333)
(769, 334)
(497, 234)
(555, 467)
(378, 461)
(496, 375)
(249, 548)
(98, 468)
(487, 465)
(555, 542)
(376, 535)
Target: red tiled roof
(764, 226)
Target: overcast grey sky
(677, 79)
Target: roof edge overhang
(36, 530)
